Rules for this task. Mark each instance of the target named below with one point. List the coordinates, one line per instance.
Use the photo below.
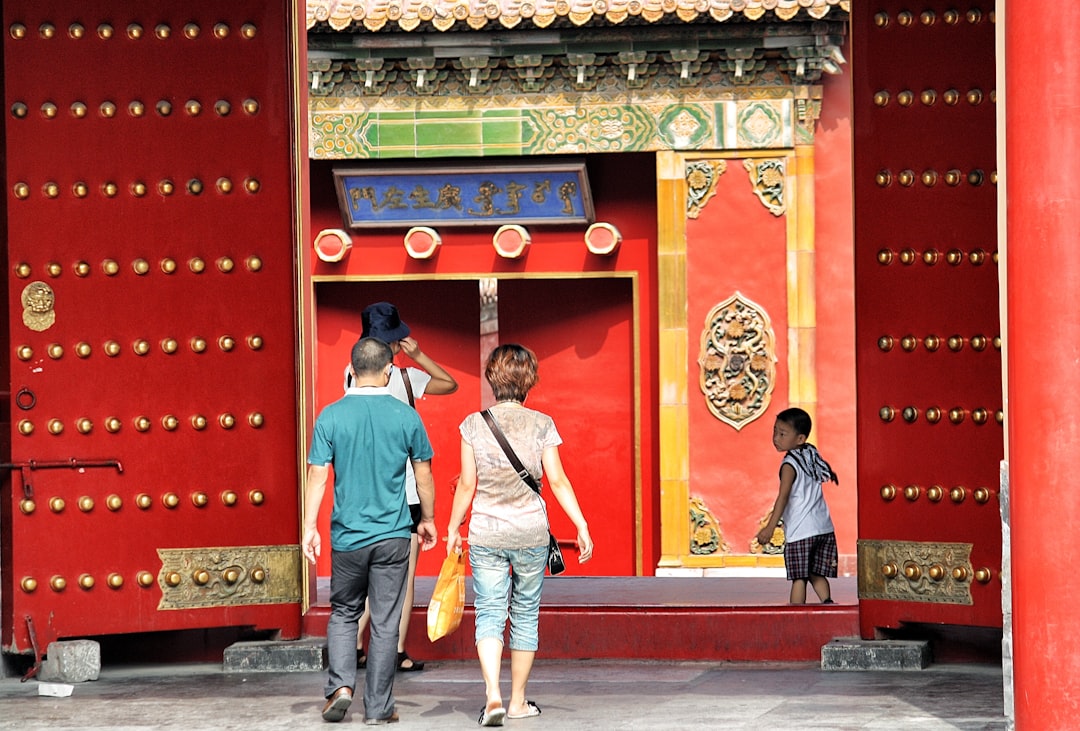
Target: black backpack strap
(523, 473)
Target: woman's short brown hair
(511, 371)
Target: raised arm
(442, 383)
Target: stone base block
(71, 661)
(857, 654)
(275, 657)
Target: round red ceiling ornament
(422, 242)
(332, 244)
(602, 239)
(511, 241)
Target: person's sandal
(361, 659)
(414, 667)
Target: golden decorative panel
(912, 571)
(767, 178)
(200, 578)
(701, 177)
(737, 361)
(705, 535)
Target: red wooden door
(150, 215)
(928, 349)
(582, 331)
(444, 318)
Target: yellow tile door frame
(674, 415)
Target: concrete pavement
(573, 695)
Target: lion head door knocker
(38, 300)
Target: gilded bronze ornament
(737, 361)
(228, 576)
(913, 571)
(38, 300)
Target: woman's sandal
(414, 667)
(361, 659)
(531, 709)
(492, 717)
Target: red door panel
(444, 317)
(582, 331)
(150, 206)
(928, 357)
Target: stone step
(269, 656)
(852, 653)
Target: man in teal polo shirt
(367, 435)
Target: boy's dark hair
(798, 419)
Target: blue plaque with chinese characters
(553, 193)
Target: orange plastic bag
(448, 600)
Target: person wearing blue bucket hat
(381, 320)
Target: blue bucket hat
(381, 320)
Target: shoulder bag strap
(523, 473)
(408, 386)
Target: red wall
(440, 314)
(834, 428)
(735, 244)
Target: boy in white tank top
(810, 553)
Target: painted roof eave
(408, 15)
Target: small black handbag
(555, 562)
